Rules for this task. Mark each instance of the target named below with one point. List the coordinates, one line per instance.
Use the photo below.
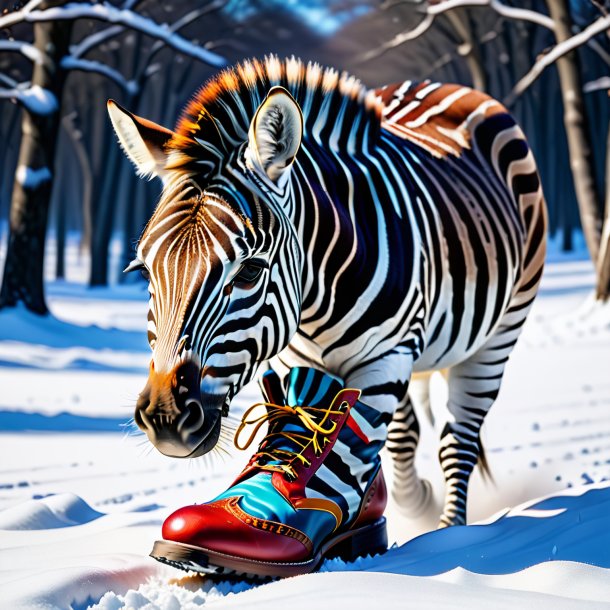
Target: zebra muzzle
(192, 419)
(174, 416)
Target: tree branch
(597, 27)
(87, 65)
(424, 25)
(11, 82)
(596, 85)
(110, 14)
(95, 39)
(434, 10)
(25, 48)
(185, 20)
(11, 94)
(522, 14)
(35, 99)
(599, 50)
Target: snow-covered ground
(83, 495)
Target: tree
(594, 222)
(563, 54)
(575, 122)
(23, 269)
(40, 100)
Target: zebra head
(223, 263)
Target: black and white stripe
(407, 235)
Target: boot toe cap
(215, 527)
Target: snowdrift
(570, 527)
(556, 547)
(63, 510)
(81, 502)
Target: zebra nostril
(142, 404)
(194, 418)
(141, 420)
(137, 418)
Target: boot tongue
(311, 388)
(306, 387)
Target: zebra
(306, 220)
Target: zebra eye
(250, 272)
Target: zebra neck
(325, 196)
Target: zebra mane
(333, 104)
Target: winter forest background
(82, 492)
(151, 56)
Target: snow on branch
(87, 65)
(434, 10)
(95, 39)
(31, 5)
(186, 20)
(35, 99)
(596, 85)
(110, 14)
(8, 81)
(25, 48)
(602, 24)
(31, 178)
(522, 14)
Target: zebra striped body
(440, 242)
(407, 235)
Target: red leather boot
(313, 490)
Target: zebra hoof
(414, 503)
(450, 521)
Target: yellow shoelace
(286, 458)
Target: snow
(38, 101)
(60, 510)
(32, 178)
(83, 494)
(110, 14)
(87, 65)
(61, 345)
(26, 49)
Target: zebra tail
(483, 465)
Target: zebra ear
(142, 140)
(275, 133)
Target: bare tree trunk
(7, 153)
(23, 270)
(602, 291)
(104, 215)
(60, 232)
(581, 158)
(72, 126)
(469, 48)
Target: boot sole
(370, 539)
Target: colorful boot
(313, 490)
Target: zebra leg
(411, 494)
(474, 384)
(419, 391)
(473, 387)
(384, 385)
